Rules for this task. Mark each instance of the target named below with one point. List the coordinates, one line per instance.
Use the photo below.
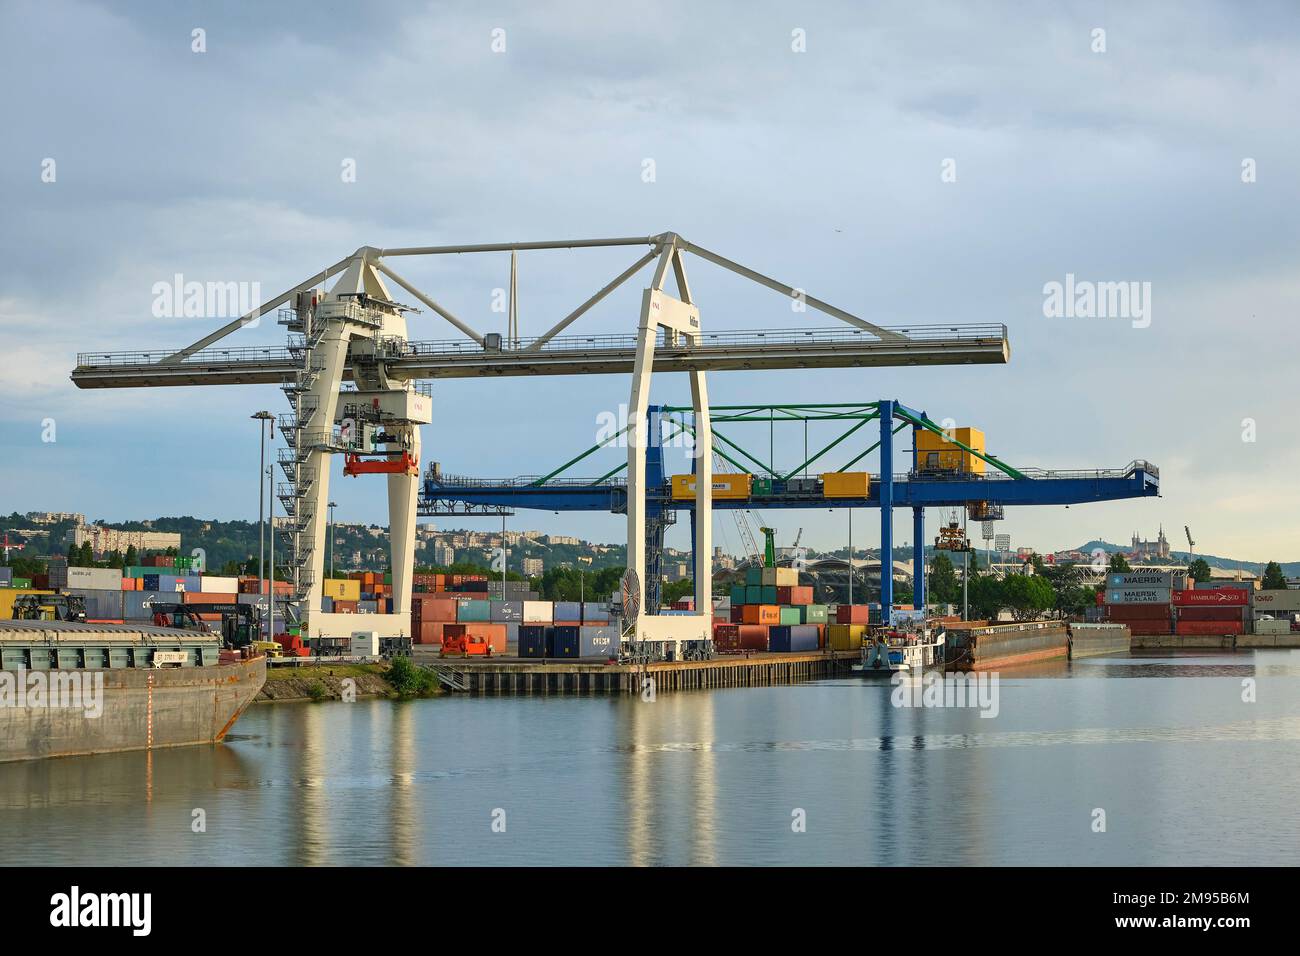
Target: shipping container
(1286, 602)
(739, 593)
(568, 611)
(538, 612)
(1137, 595)
(752, 637)
(794, 595)
(1208, 628)
(1198, 613)
(595, 612)
(853, 614)
(760, 614)
(813, 614)
(505, 611)
(428, 632)
(1149, 628)
(935, 452)
(102, 604)
(472, 610)
(726, 638)
(753, 578)
(341, 589)
(724, 486)
(846, 637)
(1142, 579)
(1137, 612)
(790, 616)
(846, 484)
(791, 638)
(598, 640)
(216, 584)
(93, 579)
(533, 640)
(737, 614)
(562, 640)
(780, 577)
(1221, 597)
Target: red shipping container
(1218, 597)
(1210, 613)
(794, 596)
(752, 637)
(853, 614)
(1142, 628)
(1212, 628)
(433, 609)
(726, 637)
(344, 607)
(737, 614)
(761, 614)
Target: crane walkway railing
(956, 335)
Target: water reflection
(712, 777)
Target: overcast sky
(824, 168)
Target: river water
(1162, 751)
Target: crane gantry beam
(355, 332)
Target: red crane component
(402, 465)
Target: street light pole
(262, 418)
(332, 506)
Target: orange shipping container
(761, 614)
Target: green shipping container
(388, 578)
(761, 486)
(754, 594)
(468, 612)
(791, 615)
(769, 595)
(814, 614)
(20, 583)
(753, 577)
(738, 594)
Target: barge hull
(142, 709)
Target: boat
(69, 688)
(909, 649)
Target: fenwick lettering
(75, 909)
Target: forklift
(60, 607)
(241, 625)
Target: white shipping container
(95, 579)
(1273, 627)
(1270, 601)
(213, 584)
(365, 643)
(537, 612)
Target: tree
(1119, 563)
(1274, 579)
(74, 556)
(1199, 570)
(944, 586)
(1027, 595)
(985, 597)
(132, 556)
(115, 560)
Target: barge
(69, 688)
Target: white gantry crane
(353, 377)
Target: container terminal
(357, 386)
